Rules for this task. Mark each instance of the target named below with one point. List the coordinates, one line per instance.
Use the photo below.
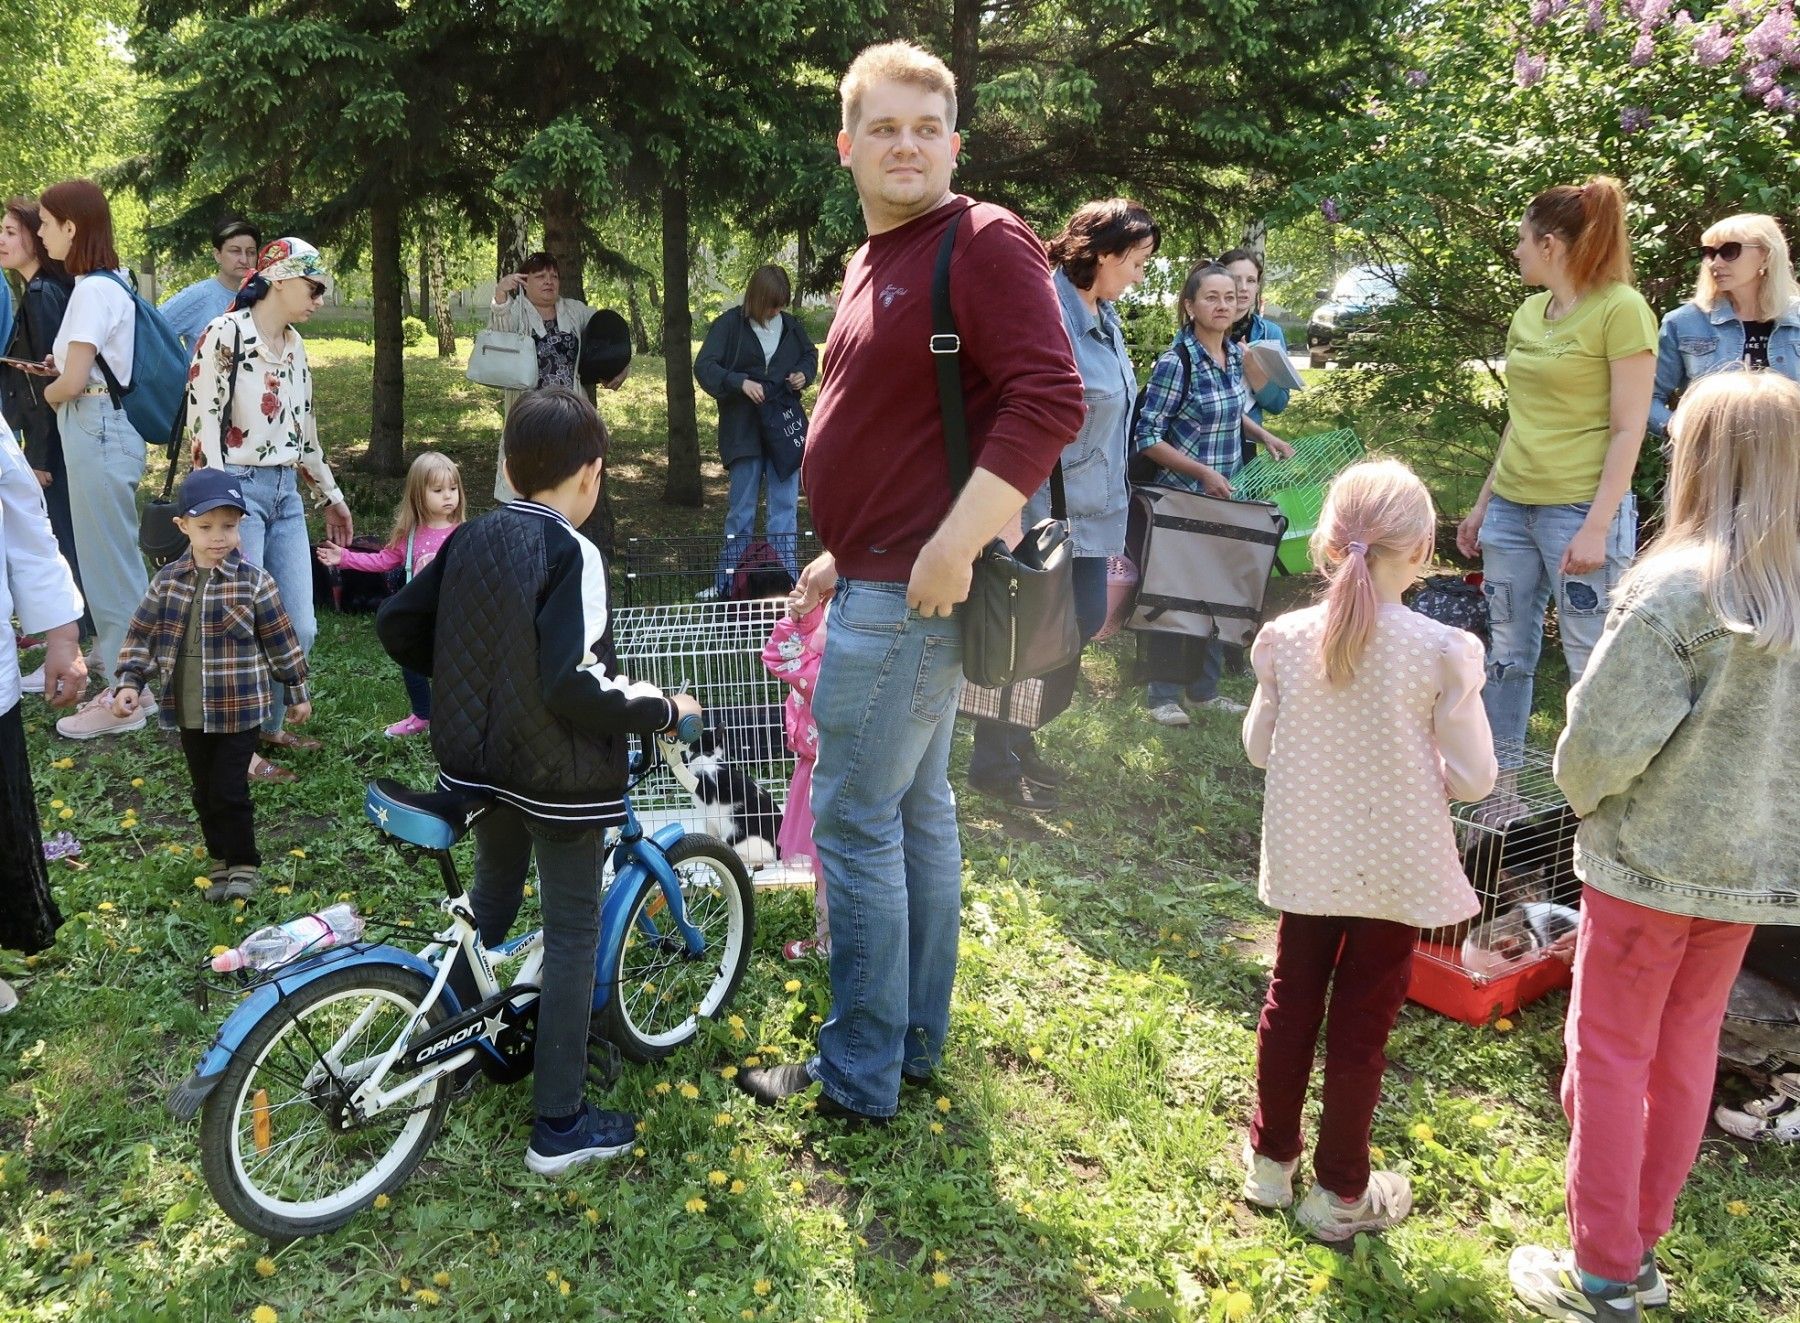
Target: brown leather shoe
(261, 769)
(286, 739)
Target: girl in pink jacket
(793, 653)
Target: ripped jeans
(1521, 549)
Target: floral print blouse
(271, 423)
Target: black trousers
(220, 768)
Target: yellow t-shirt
(1559, 393)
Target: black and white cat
(735, 808)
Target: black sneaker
(772, 1085)
(597, 1134)
(1035, 769)
(1020, 791)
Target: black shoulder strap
(176, 446)
(946, 353)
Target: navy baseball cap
(210, 489)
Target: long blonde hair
(1376, 508)
(1734, 497)
(1777, 291)
(411, 514)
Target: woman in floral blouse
(250, 412)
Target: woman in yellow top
(1556, 514)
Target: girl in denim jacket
(1681, 755)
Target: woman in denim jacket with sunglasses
(1745, 309)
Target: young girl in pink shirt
(793, 653)
(1368, 718)
(429, 512)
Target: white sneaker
(32, 682)
(1220, 703)
(1268, 1183)
(1170, 714)
(147, 703)
(9, 1000)
(1387, 1200)
(95, 718)
(711, 594)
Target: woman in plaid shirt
(1192, 426)
(213, 633)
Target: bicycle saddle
(430, 819)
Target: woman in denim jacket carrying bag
(1681, 754)
(1745, 309)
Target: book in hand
(1273, 360)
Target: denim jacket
(1094, 462)
(1693, 342)
(1681, 757)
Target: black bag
(359, 592)
(1019, 618)
(783, 424)
(605, 348)
(1454, 599)
(760, 572)
(158, 538)
(1138, 468)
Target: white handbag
(506, 360)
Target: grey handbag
(1203, 562)
(505, 360)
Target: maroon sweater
(876, 476)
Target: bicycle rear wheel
(657, 990)
(282, 1150)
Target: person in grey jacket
(1100, 254)
(750, 351)
(1681, 756)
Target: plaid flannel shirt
(246, 642)
(1205, 424)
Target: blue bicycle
(325, 1086)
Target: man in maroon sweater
(900, 545)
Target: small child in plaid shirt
(213, 633)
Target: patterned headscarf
(286, 259)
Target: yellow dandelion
(862, 1242)
(1317, 1283)
(723, 1119)
(1503, 1025)
(695, 1205)
(382, 1201)
(1036, 1053)
(728, 1073)
(689, 1091)
(265, 1267)
(1377, 1153)
(943, 1104)
(1423, 1133)
(178, 849)
(940, 1279)
(738, 1187)
(137, 783)
(1238, 1306)
(202, 883)
(662, 1087)
(792, 985)
(938, 1256)
(41, 1242)
(106, 907)
(637, 1152)
(762, 1286)
(263, 1314)
(56, 803)
(85, 1259)
(66, 814)
(563, 1286)
(593, 1216)
(552, 1276)
(1738, 1208)
(405, 1284)
(530, 890)
(937, 1127)
(199, 852)
(641, 1126)
(753, 1061)
(735, 1021)
(440, 1279)
(297, 854)
(746, 1312)
(716, 1177)
(63, 764)
(1481, 1121)
(816, 1019)
(426, 1296)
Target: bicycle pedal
(605, 1066)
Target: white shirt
(768, 335)
(36, 585)
(100, 314)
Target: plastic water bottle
(267, 947)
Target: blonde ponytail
(1376, 508)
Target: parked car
(1346, 313)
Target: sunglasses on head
(1729, 251)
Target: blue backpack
(156, 399)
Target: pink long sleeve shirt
(426, 543)
(793, 654)
(1356, 816)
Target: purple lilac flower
(1683, 21)
(1328, 208)
(1778, 99)
(1773, 38)
(1712, 46)
(1643, 50)
(1417, 78)
(1633, 118)
(1760, 81)
(1655, 12)
(1528, 69)
(1596, 19)
(1540, 13)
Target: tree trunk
(802, 264)
(965, 57)
(681, 484)
(656, 311)
(427, 295)
(511, 245)
(639, 336)
(563, 240)
(433, 244)
(387, 407)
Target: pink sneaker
(94, 719)
(805, 948)
(410, 725)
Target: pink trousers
(1643, 1042)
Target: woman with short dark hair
(235, 244)
(750, 350)
(530, 302)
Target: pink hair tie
(1358, 548)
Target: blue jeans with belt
(105, 458)
(274, 537)
(887, 844)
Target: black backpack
(1454, 599)
(1139, 470)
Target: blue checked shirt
(1207, 424)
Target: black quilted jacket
(510, 621)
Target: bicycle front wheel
(284, 1151)
(658, 990)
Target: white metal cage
(715, 649)
(1518, 851)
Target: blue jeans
(886, 839)
(1521, 549)
(748, 477)
(274, 537)
(1165, 651)
(418, 693)
(995, 756)
(105, 458)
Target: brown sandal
(261, 769)
(286, 739)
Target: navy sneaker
(597, 1134)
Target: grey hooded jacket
(1682, 757)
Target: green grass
(1095, 1089)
